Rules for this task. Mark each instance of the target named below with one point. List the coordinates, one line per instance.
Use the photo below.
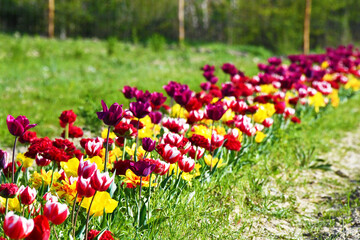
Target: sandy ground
(312, 196)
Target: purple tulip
(3, 157)
(227, 89)
(214, 80)
(142, 96)
(155, 117)
(205, 86)
(112, 116)
(274, 61)
(171, 87)
(142, 168)
(207, 67)
(140, 109)
(148, 144)
(208, 74)
(182, 98)
(129, 92)
(157, 99)
(215, 111)
(229, 69)
(18, 126)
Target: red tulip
(16, 227)
(84, 187)
(186, 164)
(268, 122)
(67, 117)
(27, 195)
(198, 151)
(41, 161)
(56, 212)
(41, 229)
(170, 154)
(86, 169)
(101, 181)
(8, 190)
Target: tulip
(18, 126)
(170, 154)
(93, 148)
(268, 122)
(173, 139)
(3, 157)
(112, 116)
(84, 188)
(155, 117)
(196, 152)
(148, 144)
(128, 92)
(27, 195)
(41, 161)
(121, 166)
(157, 99)
(106, 235)
(215, 111)
(142, 168)
(182, 97)
(8, 190)
(67, 117)
(56, 212)
(41, 229)
(48, 197)
(161, 167)
(16, 227)
(28, 137)
(140, 109)
(186, 164)
(101, 181)
(86, 169)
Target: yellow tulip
(101, 201)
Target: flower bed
(154, 150)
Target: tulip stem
(107, 149)
(149, 197)
(13, 160)
(6, 205)
(67, 131)
(76, 216)
(53, 227)
(137, 140)
(73, 210)
(88, 216)
(212, 128)
(124, 147)
(139, 203)
(52, 175)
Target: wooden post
(51, 18)
(181, 22)
(307, 26)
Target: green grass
(40, 78)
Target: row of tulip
(98, 183)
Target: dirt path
(326, 202)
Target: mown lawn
(40, 78)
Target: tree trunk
(51, 18)
(181, 22)
(307, 26)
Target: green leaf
(100, 233)
(17, 173)
(142, 215)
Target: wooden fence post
(181, 14)
(51, 19)
(307, 26)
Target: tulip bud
(84, 187)
(186, 164)
(86, 169)
(3, 157)
(27, 195)
(18, 126)
(41, 161)
(16, 227)
(142, 168)
(56, 212)
(148, 144)
(101, 181)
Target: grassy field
(40, 78)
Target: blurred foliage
(275, 24)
